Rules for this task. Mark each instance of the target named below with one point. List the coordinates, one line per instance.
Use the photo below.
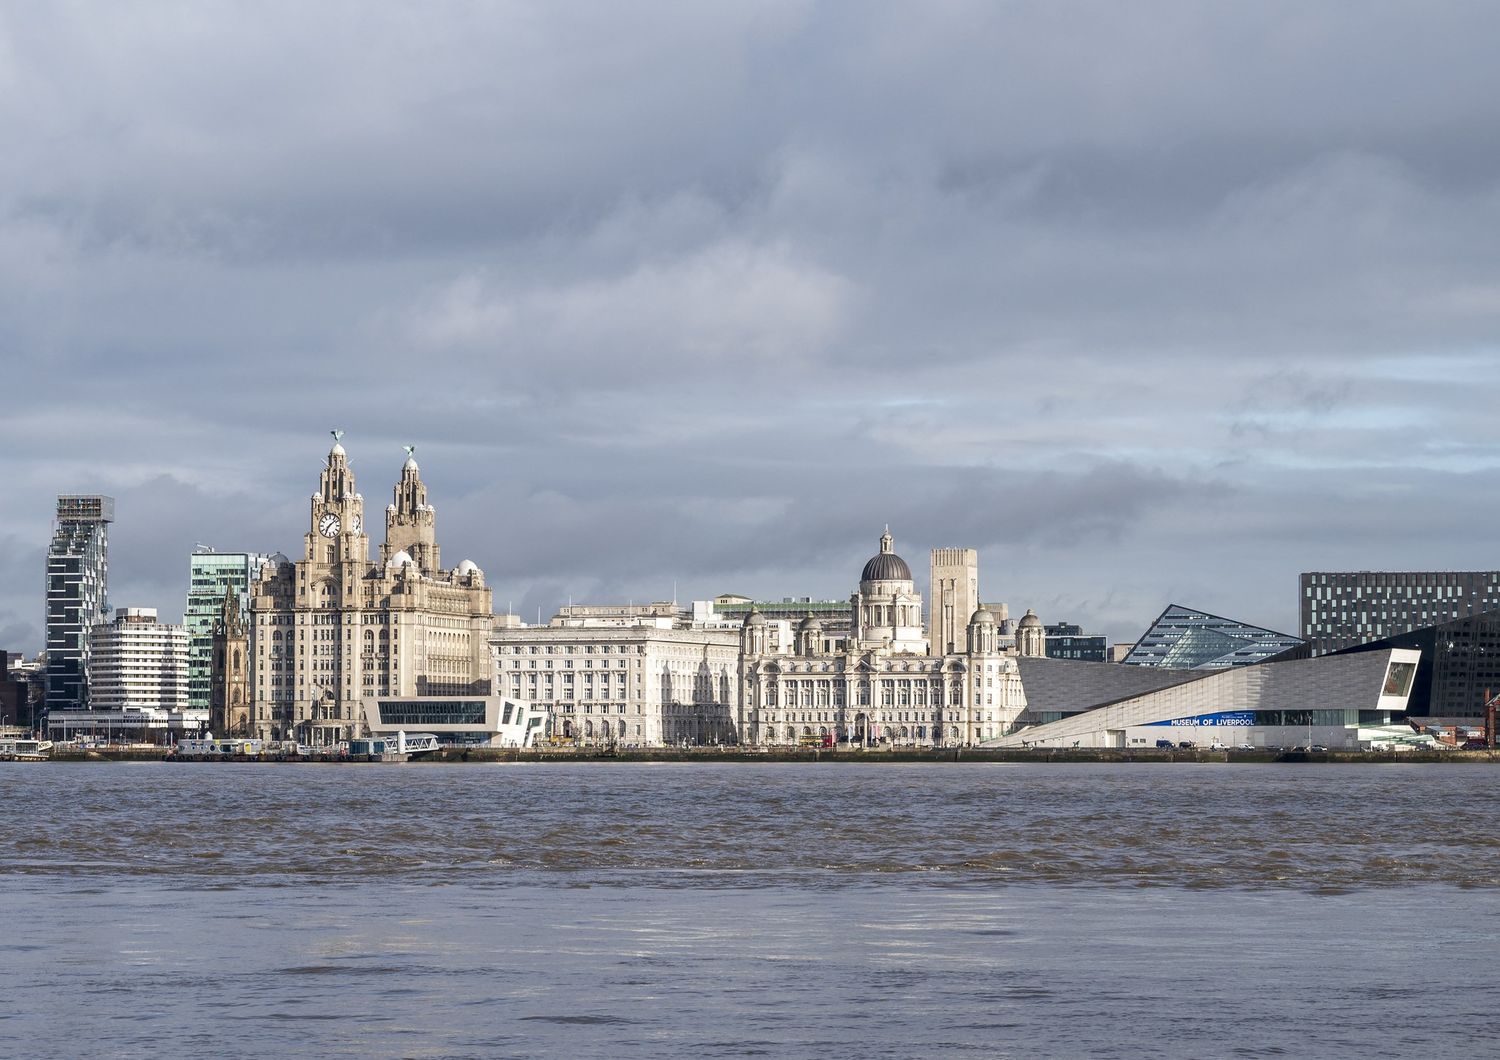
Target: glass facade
(1185, 639)
(210, 575)
(431, 712)
(1344, 609)
(1459, 667)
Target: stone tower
(954, 597)
(410, 522)
(229, 672)
(1031, 636)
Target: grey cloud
(1142, 306)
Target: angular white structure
(479, 721)
(1274, 704)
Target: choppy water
(609, 910)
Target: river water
(842, 910)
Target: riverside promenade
(704, 755)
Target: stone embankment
(734, 754)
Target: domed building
(881, 685)
(887, 609)
(333, 629)
(1031, 636)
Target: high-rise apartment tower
(77, 594)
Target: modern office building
(1343, 609)
(1338, 701)
(1460, 665)
(77, 594)
(1183, 638)
(333, 628)
(138, 663)
(210, 575)
(1068, 641)
(729, 611)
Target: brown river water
(844, 910)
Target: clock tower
(333, 630)
(336, 531)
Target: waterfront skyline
(1144, 310)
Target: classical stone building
(229, 671)
(605, 683)
(333, 627)
(881, 685)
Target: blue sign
(1223, 717)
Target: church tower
(410, 522)
(229, 672)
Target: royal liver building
(334, 627)
(881, 683)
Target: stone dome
(810, 623)
(468, 566)
(1029, 620)
(982, 617)
(755, 618)
(401, 559)
(885, 565)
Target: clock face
(354, 525)
(328, 526)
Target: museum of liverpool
(1351, 701)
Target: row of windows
(570, 649)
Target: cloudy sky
(1147, 302)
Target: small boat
(24, 749)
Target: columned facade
(883, 686)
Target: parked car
(1186, 745)
(1165, 745)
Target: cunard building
(334, 627)
(881, 684)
